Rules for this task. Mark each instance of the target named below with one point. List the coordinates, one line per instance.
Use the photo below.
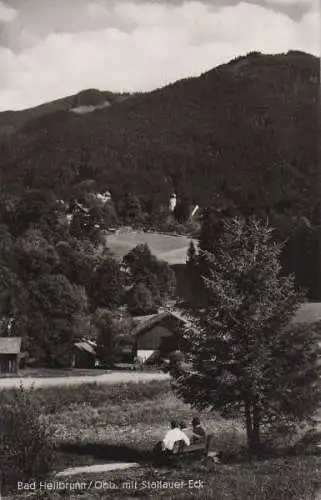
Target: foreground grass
(121, 422)
(97, 423)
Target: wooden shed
(84, 355)
(10, 348)
(157, 333)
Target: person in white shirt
(173, 435)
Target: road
(106, 378)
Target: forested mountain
(11, 121)
(246, 130)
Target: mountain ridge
(246, 129)
(12, 120)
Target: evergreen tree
(191, 254)
(244, 356)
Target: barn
(10, 348)
(157, 335)
(84, 355)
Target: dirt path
(107, 378)
(88, 469)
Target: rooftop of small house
(309, 312)
(144, 323)
(10, 345)
(86, 346)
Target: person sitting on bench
(187, 430)
(173, 435)
(199, 433)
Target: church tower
(172, 202)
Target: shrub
(230, 443)
(26, 448)
(140, 300)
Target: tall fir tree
(244, 355)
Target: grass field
(172, 249)
(99, 424)
(54, 372)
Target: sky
(54, 48)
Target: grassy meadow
(97, 424)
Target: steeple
(172, 202)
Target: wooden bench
(202, 448)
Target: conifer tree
(244, 355)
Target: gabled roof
(139, 320)
(148, 321)
(86, 346)
(10, 345)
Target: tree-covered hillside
(11, 121)
(247, 130)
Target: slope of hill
(11, 121)
(247, 130)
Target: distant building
(172, 202)
(195, 210)
(84, 355)
(10, 348)
(157, 335)
(104, 197)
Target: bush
(140, 300)
(231, 444)
(26, 448)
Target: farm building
(157, 335)
(84, 355)
(10, 348)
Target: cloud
(7, 14)
(130, 46)
(304, 3)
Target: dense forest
(246, 131)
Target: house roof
(170, 248)
(147, 322)
(310, 312)
(86, 346)
(10, 345)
